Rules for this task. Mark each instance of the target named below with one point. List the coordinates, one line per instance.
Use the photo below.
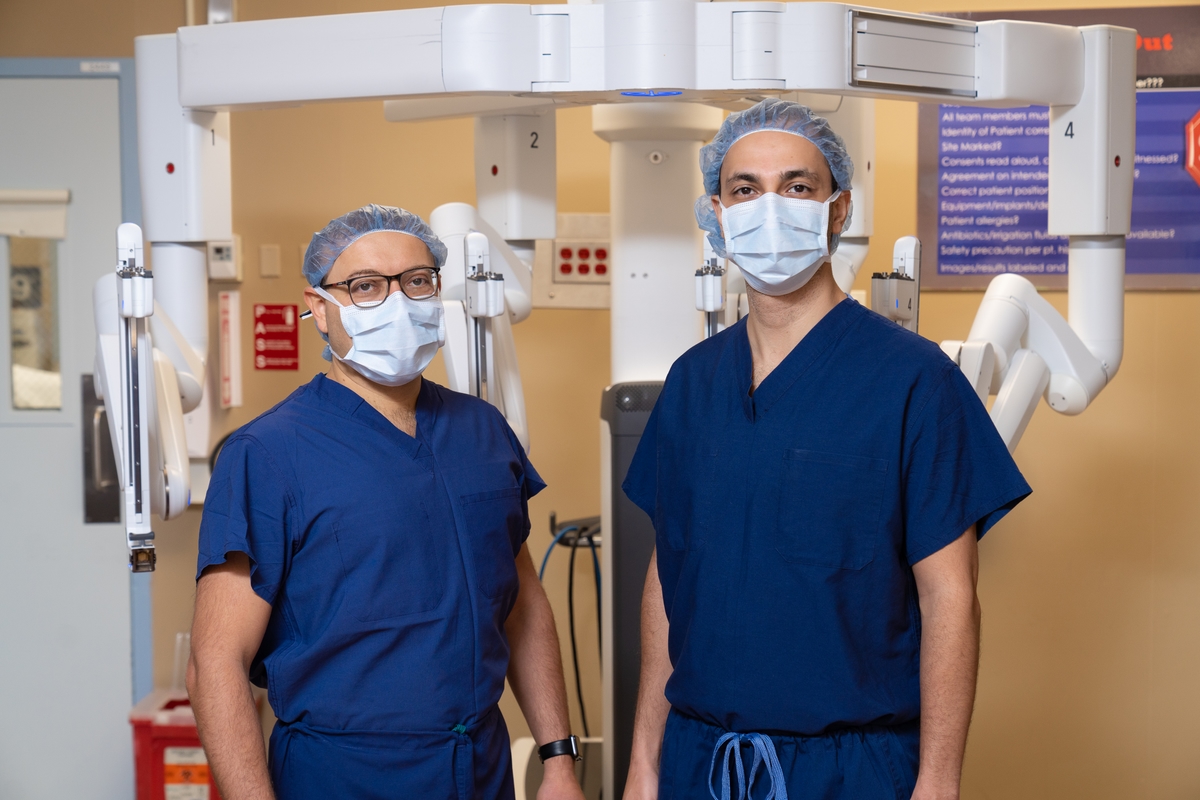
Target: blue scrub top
(788, 521)
(388, 560)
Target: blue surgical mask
(778, 243)
(393, 342)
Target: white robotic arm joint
(484, 288)
(710, 291)
(897, 294)
(1021, 348)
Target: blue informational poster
(992, 186)
(1165, 232)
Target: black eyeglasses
(368, 291)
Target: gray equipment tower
(628, 543)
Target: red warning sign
(276, 337)
(1192, 163)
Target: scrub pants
(868, 763)
(310, 763)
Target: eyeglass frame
(437, 274)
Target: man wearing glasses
(362, 556)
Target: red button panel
(580, 260)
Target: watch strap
(562, 747)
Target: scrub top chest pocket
(494, 529)
(829, 508)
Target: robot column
(656, 245)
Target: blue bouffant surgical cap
(771, 114)
(328, 243)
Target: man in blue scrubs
(362, 556)
(818, 477)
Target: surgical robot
(659, 75)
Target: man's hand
(560, 782)
(536, 675)
(650, 719)
(642, 783)
(950, 619)
(228, 628)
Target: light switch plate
(268, 261)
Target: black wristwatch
(563, 747)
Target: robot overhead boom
(595, 53)
(494, 59)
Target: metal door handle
(100, 479)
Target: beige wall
(1091, 589)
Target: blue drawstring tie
(729, 751)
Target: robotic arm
(125, 367)
(486, 288)
(1020, 347)
(854, 119)
(487, 283)
(152, 326)
(141, 387)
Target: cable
(550, 549)
(590, 528)
(591, 540)
(574, 648)
(216, 451)
(599, 605)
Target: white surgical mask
(779, 243)
(393, 342)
